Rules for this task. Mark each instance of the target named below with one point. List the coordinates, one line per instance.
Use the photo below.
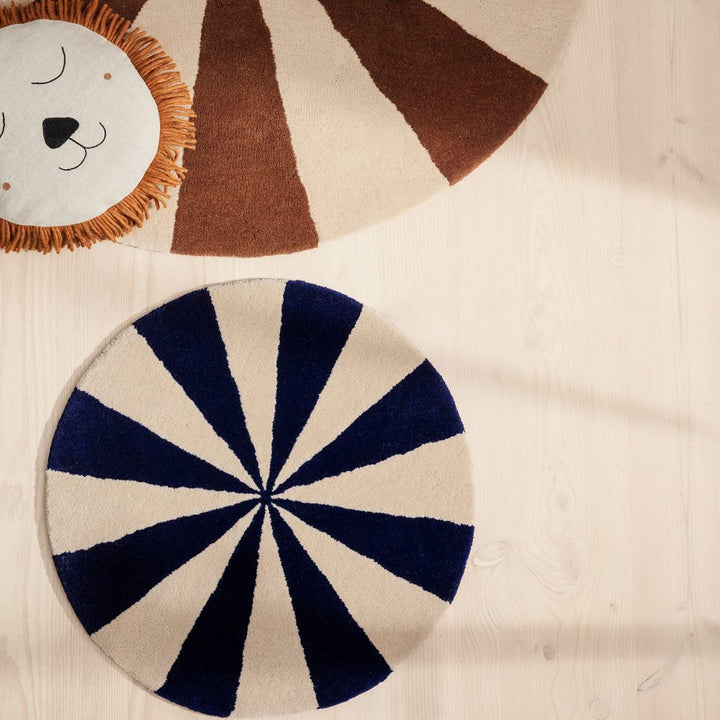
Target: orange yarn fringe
(177, 129)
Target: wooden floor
(569, 292)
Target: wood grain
(568, 291)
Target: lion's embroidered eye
(59, 75)
(2, 124)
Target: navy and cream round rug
(259, 499)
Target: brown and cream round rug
(259, 499)
(316, 118)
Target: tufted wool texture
(259, 499)
(319, 117)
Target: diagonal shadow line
(501, 380)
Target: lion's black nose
(57, 131)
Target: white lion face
(78, 125)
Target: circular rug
(316, 118)
(92, 118)
(259, 499)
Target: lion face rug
(315, 118)
(259, 499)
(92, 118)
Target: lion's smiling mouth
(58, 131)
(86, 149)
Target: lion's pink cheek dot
(6, 186)
(108, 76)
